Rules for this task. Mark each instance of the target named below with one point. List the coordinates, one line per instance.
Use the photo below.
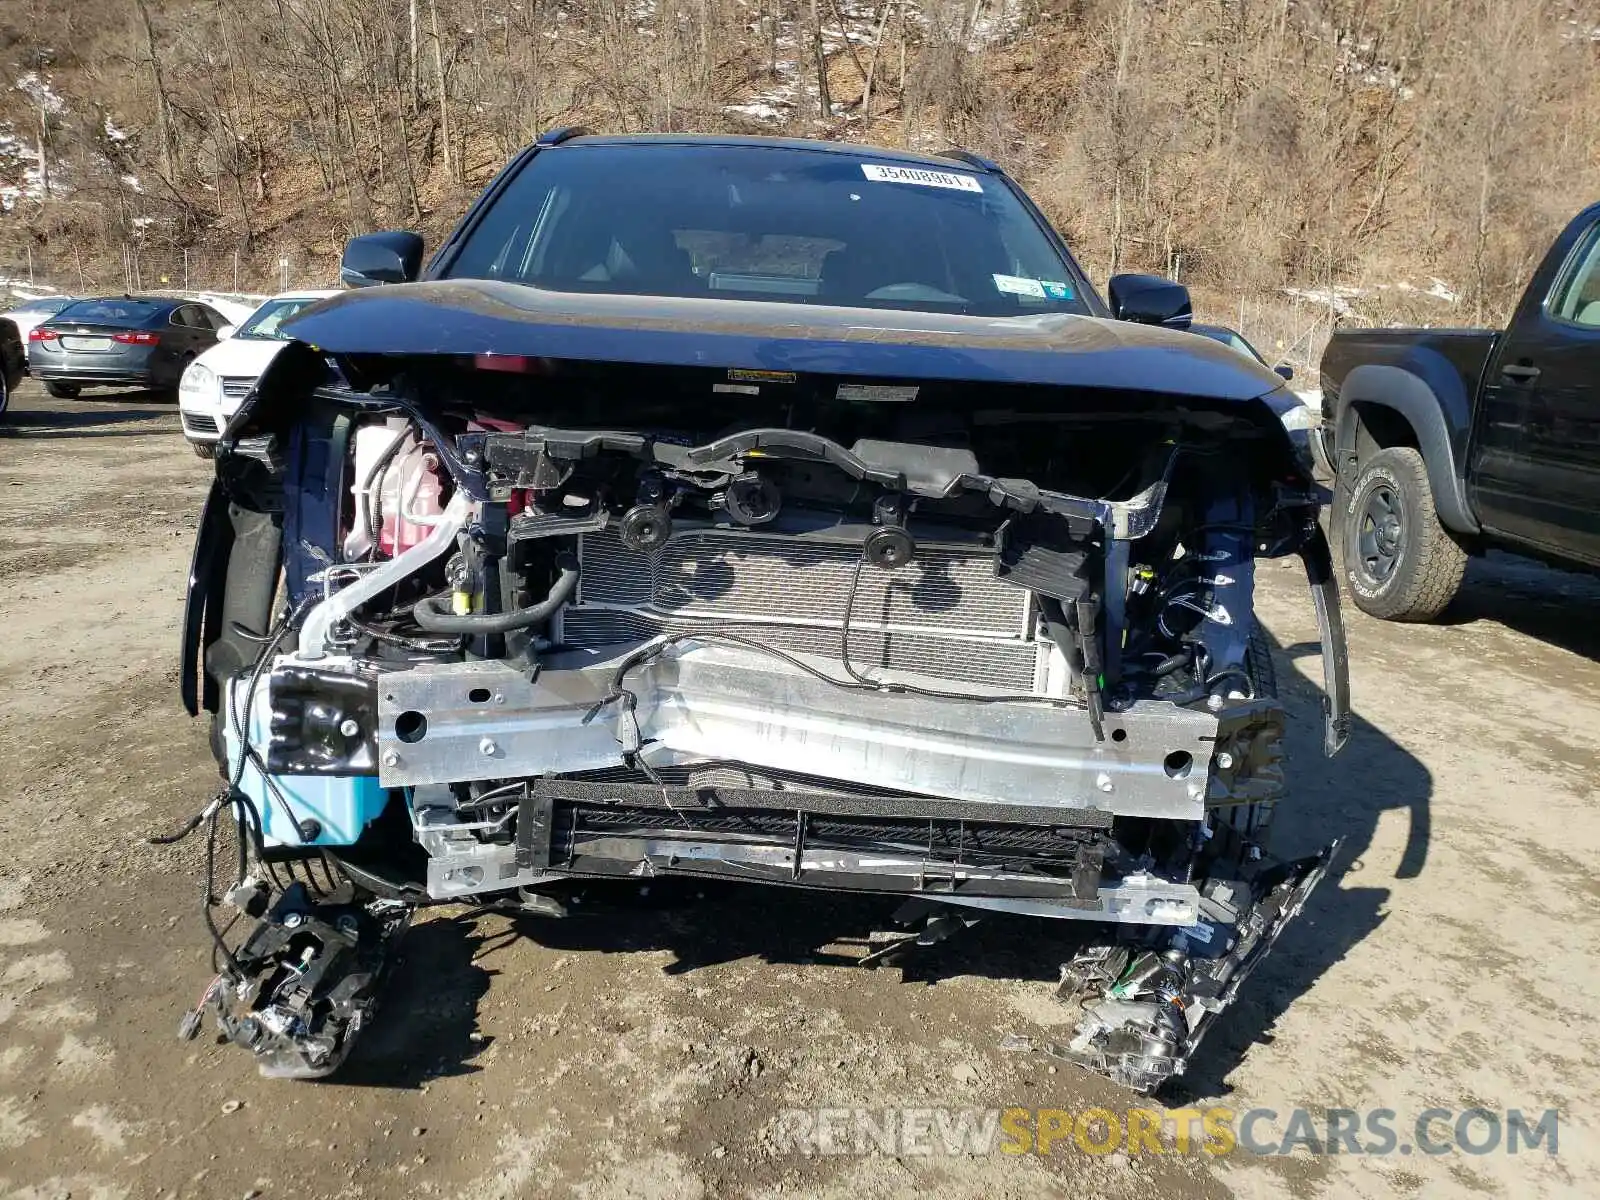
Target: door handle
(1520, 372)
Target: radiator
(944, 614)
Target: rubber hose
(428, 615)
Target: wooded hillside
(1248, 146)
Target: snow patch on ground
(38, 90)
(758, 110)
(20, 177)
(777, 103)
(14, 155)
(1341, 297)
(998, 22)
(1441, 291)
(1336, 297)
(21, 289)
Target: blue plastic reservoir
(343, 806)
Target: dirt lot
(1449, 962)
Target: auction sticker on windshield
(921, 176)
(1016, 285)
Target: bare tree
(1261, 145)
(163, 107)
(824, 96)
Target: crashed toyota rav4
(780, 512)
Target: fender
(1438, 409)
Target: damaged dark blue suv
(783, 512)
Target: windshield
(770, 223)
(266, 323)
(113, 312)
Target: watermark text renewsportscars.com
(1210, 1130)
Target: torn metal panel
(1152, 1006)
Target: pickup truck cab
(1451, 442)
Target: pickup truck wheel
(1400, 562)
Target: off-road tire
(63, 391)
(206, 450)
(1409, 566)
(5, 392)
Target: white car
(234, 308)
(28, 313)
(216, 382)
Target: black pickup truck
(1450, 442)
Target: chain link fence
(161, 270)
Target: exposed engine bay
(475, 631)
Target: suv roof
(847, 149)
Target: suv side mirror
(226, 332)
(1150, 300)
(394, 256)
(1285, 373)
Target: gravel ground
(1449, 960)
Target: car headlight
(198, 379)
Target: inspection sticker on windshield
(921, 176)
(1016, 285)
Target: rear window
(113, 312)
(44, 305)
(770, 223)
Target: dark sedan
(1235, 340)
(12, 362)
(124, 341)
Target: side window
(1576, 297)
(183, 316)
(210, 318)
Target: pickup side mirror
(394, 256)
(226, 332)
(1285, 373)
(1150, 300)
